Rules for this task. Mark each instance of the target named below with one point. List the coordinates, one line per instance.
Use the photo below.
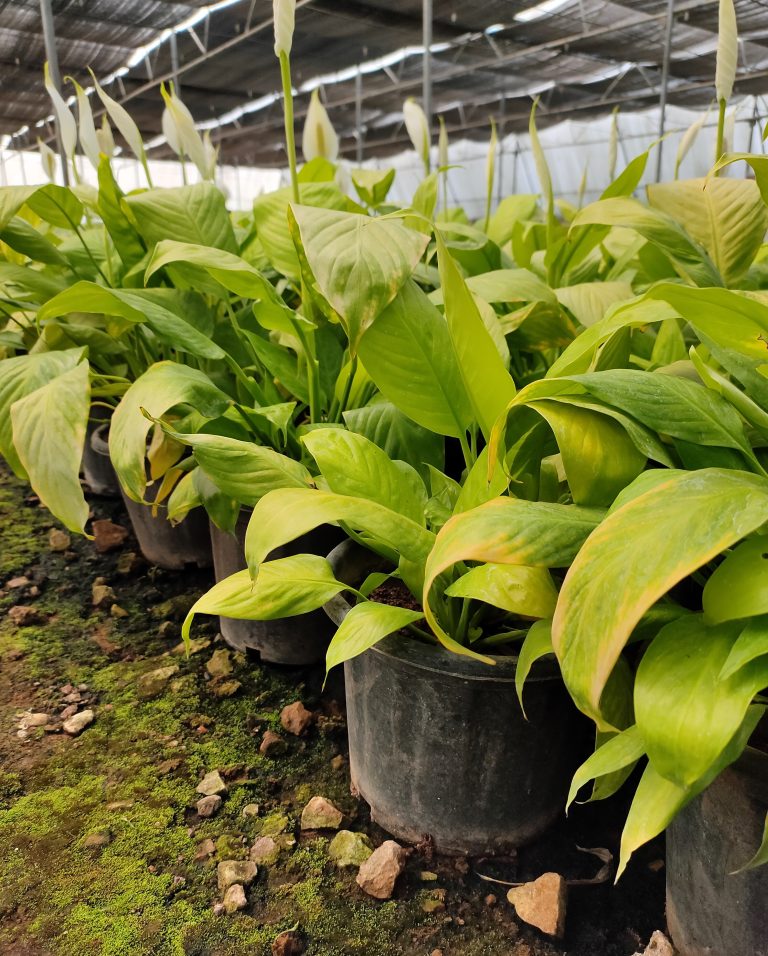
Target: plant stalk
(290, 136)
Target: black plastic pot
(439, 747)
(712, 911)
(293, 640)
(97, 465)
(167, 545)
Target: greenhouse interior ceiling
(583, 58)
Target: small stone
(289, 943)
(78, 722)
(128, 562)
(658, 946)
(68, 711)
(225, 688)
(230, 872)
(205, 850)
(58, 540)
(117, 611)
(265, 851)
(211, 784)
(74, 698)
(218, 909)
(34, 720)
(427, 876)
(23, 616)
(119, 805)
(433, 906)
(96, 841)
(168, 630)
(220, 664)
(273, 825)
(102, 594)
(296, 719)
(272, 744)
(208, 806)
(251, 810)
(349, 849)
(168, 766)
(378, 874)
(436, 952)
(153, 683)
(655, 865)
(234, 899)
(491, 899)
(67, 689)
(19, 582)
(338, 763)
(195, 646)
(321, 814)
(107, 535)
(542, 903)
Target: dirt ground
(102, 850)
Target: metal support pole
(51, 54)
(175, 64)
(426, 80)
(359, 115)
(502, 133)
(664, 82)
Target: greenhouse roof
(582, 57)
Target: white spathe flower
(65, 121)
(122, 120)
(284, 14)
(319, 137)
(727, 51)
(105, 138)
(170, 132)
(48, 159)
(418, 128)
(187, 140)
(442, 145)
(86, 127)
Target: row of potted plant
(519, 464)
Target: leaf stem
(290, 136)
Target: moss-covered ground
(140, 884)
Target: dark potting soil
(102, 850)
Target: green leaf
(358, 263)
(511, 209)
(353, 465)
(21, 237)
(12, 198)
(537, 644)
(159, 389)
(599, 457)
(122, 232)
(270, 217)
(372, 185)
(285, 587)
(726, 216)
(685, 711)
(49, 433)
(487, 382)
(408, 353)
(243, 470)
(284, 515)
(687, 256)
(618, 753)
(761, 857)
(590, 301)
(194, 214)
(658, 800)
(738, 588)
(384, 424)
(139, 306)
(184, 497)
(57, 205)
(365, 625)
(675, 527)
(20, 376)
(478, 487)
(750, 644)
(507, 531)
(524, 592)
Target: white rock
(378, 874)
(542, 903)
(78, 722)
(212, 784)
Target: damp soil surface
(102, 850)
